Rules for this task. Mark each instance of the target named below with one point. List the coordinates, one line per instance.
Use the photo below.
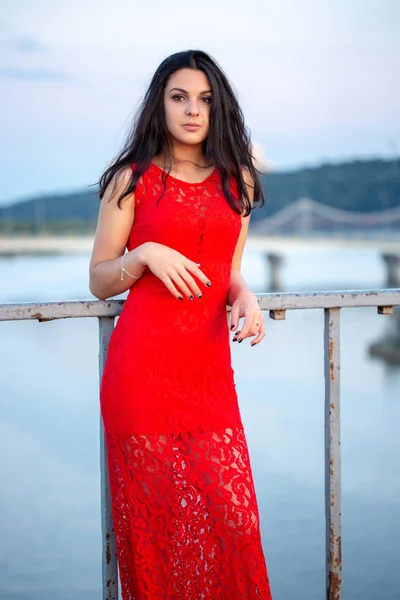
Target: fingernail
(208, 283)
(240, 340)
(190, 297)
(199, 295)
(180, 297)
(232, 327)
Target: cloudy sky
(317, 80)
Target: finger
(180, 283)
(260, 336)
(192, 266)
(234, 317)
(236, 336)
(253, 327)
(167, 281)
(249, 328)
(186, 276)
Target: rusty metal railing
(277, 305)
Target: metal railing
(277, 304)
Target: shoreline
(49, 245)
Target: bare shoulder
(114, 222)
(117, 186)
(249, 181)
(247, 176)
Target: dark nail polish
(208, 283)
(240, 340)
(234, 339)
(180, 297)
(190, 297)
(232, 327)
(253, 345)
(199, 295)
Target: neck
(182, 153)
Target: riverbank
(45, 245)
(82, 244)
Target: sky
(318, 81)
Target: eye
(208, 98)
(177, 96)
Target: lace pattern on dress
(186, 510)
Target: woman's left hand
(246, 306)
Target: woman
(179, 197)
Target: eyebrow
(185, 92)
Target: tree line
(359, 185)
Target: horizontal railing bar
(335, 299)
(47, 311)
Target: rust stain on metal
(335, 566)
(40, 317)
(108, 550)
(37, 316)
(331, 364)
(335, 586)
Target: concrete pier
(388, 348)
(392, 262)
(275, 263)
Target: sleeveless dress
(184, 506)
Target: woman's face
(187, 99)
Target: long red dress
(184, 505)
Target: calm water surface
(49, 436)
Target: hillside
(358, 186)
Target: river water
(49, 435)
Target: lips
(191, 126)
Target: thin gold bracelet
(124, 271)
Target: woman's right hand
(173, 268)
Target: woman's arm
(112, 233)
(240, 297)
(113, 228)
(237, 285)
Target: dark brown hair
(227, 145)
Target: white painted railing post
(333, 540)
(109, 552)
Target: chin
(190, 139)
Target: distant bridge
(301, 224)
(307, 220)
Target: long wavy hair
(227, 145)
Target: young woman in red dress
(178, 197)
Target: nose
(192, 108)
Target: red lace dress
(184, 506)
